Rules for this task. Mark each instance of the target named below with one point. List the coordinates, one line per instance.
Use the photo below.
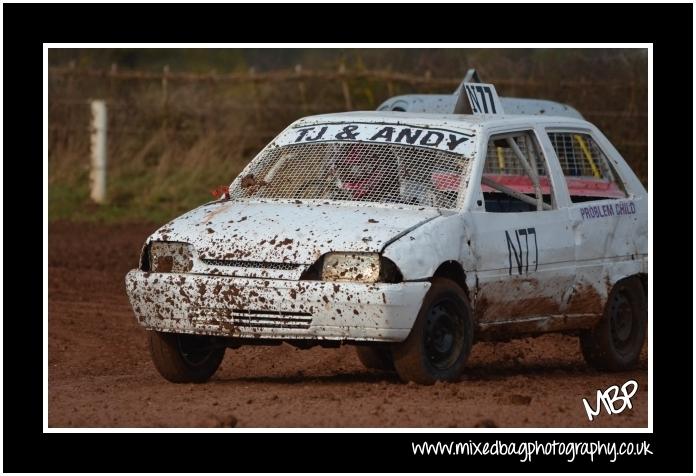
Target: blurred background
(182, 121)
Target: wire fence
(159, 121)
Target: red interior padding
(577, 186)
(592, 187)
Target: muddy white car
(411, 234)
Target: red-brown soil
(100, 374)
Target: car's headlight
(360, 267)
(170, 257)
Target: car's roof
(459, 121)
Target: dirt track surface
(100, 374)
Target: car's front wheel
(185, 358)
(441, 339)
(617, 340)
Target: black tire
(617, 340)
(185, 358)
(440, 342)
(375, 357)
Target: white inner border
(46, 429)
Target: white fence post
(98, 170)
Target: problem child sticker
(608, 210)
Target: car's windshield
(355, 171)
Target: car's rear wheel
(441, 339)
(617, 340)
(375, 357)
(185, 358)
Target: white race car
(411, 233)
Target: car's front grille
(271, 319)
(255, 318)
(251, 264)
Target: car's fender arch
(628, 269)
(453, 271)
(421, 252)
(600, 284)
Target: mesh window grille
(503, 160)
(355, 171)
(580, 156)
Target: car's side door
(520, 231)
(608, 214)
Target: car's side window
(588, 173)
(515, 177)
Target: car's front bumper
(277, 309)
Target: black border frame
(26, 27)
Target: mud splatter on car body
(408, 192)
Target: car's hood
(289, 232)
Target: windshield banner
(431, 137)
